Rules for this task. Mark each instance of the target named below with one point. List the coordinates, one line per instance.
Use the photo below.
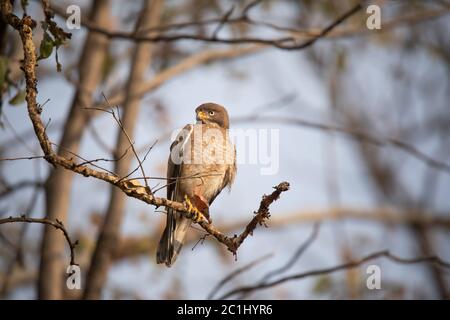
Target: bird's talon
(196, 214)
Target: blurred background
(363, 118)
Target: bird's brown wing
(231, 170)
(174, 169)
(167, 252)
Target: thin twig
(118, 120)
(18, 256)
(140, 165)
(86, 161)
(10, 188)
(352, 264)
(56, 224)
(222, 22)
(236, 273)
(262, 215)
(22, 158)
(249, 7)
(297, 254)
(97, 138)
(105, 159)
(285, 43)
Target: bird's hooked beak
(201, 116)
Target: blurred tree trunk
(58, 186)
(109, 234)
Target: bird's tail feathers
(172, 238)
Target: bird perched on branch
(202, 162)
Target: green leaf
(18, 98)
(46, 47)
(3, 70)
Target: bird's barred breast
(206, 158)
(209, 145)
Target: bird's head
(211, 113)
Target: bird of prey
(202, 162)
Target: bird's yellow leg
(197, 215)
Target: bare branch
(22, 158)
(352, 264)
(249, 7)
(285, 43)
(183, 66)
(222, 22)
(18, 257)
(56, 224)
(297, 254)
(86, 161)
(124, 131)
(11, 188)
(142, 245)
(261, 216)
(236, 273)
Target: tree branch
(11, 188)
(236, 273)
(134, 246)
(352, 264)
(286, 43)
(56, 224)
(278, 271)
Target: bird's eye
(211, 113)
